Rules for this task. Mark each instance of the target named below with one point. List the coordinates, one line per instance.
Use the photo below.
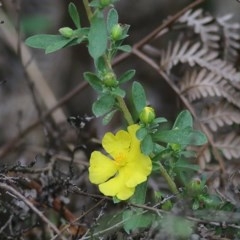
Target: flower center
(120, 160)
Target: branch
(32, 207)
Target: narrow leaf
(43, 40)
(139, 194)
(134, 219)
(58, 45)
(73, 12)
(118, 92)
(103, 105)
(184, 119)
(97, 37)
(112, 19)
(185, 136)
(108, 117)
(138, 96)
(128, 75)
(125, 48)
(141, 133)
(147, 145)
(93, 80)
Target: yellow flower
(126, 166)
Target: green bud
(109, 80)
(147, 115)
(105, 3)
(66, 32)
(195, 186)
(116, 32)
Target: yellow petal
(114, 144)
(116, 187)
(135, 143)
(101, 168)
(138, 168)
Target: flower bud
(66, 32)
(116, 32)
(109, 80)
(195, 186)
(105, 3)
(147, 115)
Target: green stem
(121, 102)
(88, 9)
(126, 113)
(169, 180)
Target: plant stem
(169, 180)
(121, 102)
(88, 9)
(124, 108)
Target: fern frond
(196, 55)
(202, 25)
(220, 115)
(196, 85)
(229, 145)
(231, 37)
(205, 157)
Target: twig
(32, 207)
(81, 216)
(6, 224)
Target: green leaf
(186, 165)
(58, 45)
(177, 227)
(94, 3)
(112, 19)
(43, 40)
(159, 120)
(73, 12)
(138, 96)
(125, 48)
(118, 92)
(128, 75)
(108, 117)
(184, 119)
(93, 80)
(147, 145)
(139, 194)
(186, 136)
(103, 105)
(134, 219)
(141, 133)
(100, 64)
(97, 37)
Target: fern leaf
(229, 145)
(202, 25)
(220, 115)
(231, 37)
(196, 55)
(196, 85)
